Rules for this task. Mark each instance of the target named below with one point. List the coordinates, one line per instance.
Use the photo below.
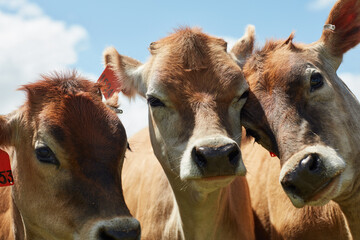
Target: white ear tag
(329, 27)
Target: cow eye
(155, 102)
(316, 81)
(45, 155)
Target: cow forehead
(189, 48)
(281, 69)
(194, 62)
(70, 111)
(86, 127)
(205, 80)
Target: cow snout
(216, 161)
(119, 228)
(307, 178)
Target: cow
(300, 110)
(66, 149)
(191, 177)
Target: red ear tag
(6, 177)
(272, 154)
(110, 84)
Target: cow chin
(320, 198)
(314, 176)
(211, 184)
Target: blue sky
(38, 36)
(131, 25)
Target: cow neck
(6, 214)
(206, 215)
(349, 202)
(19, 229)
(350, 207)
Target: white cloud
(31, 43)
(320, 4)
(353, 82)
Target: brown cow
(66, 150)
(299, 109)
(195, 93)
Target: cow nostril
(311, 162)
(234, 156)
(199, 156)
(315, 163)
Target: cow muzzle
(212, 157)
(311, 176)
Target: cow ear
(5, 131)
(243, 48)
(342, 29)
(128, 71)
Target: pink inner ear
(350, 18)
(347, 15)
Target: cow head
(67, 150)
(195, 93)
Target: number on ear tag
(6, 177)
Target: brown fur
(151, 201)
(65, 200)
(5, 131)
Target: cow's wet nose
(219, 160)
